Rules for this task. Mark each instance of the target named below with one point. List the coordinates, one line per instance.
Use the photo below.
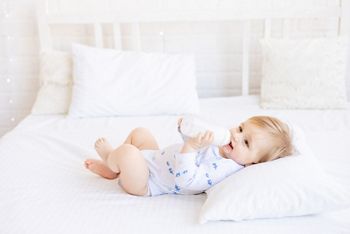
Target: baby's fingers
(208, 138)
(199, 137)
(211, 137)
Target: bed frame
(134, 17)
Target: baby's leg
(103, 148)
(139, 138)
(142, 138)
(128, 162)
(100, 168)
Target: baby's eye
(246, 143)
(240, 129)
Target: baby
(194, 166)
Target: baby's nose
(237, 137)
(234, 136)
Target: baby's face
(247, 144)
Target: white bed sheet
(45, 188)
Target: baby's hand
(200, 141)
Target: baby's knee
(122, 156)
(140, 131)
(124, 149)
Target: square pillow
(108, 82)
(55, 75)
(290, 186)
(304, 73)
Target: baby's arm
(185, 161)
(200, 141)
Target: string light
(6, 10)
(6, 14)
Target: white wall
(217, 45)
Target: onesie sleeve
(205, 175)
(210, 173)
(185, 168)
(194, 174)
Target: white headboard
(49, 13)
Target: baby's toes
(97, 143)
(88, 162)
(100, 141)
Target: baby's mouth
(228, 148)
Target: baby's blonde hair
(280, 136)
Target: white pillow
(55, 77)
(304, 73)
(109, 83)
(290, 186)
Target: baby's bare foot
(99, 168)
(103, 148)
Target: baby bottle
(190, 126)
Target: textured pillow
(304, 73)
(290, 186)
(109, 83)
(55, 77)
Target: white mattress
(46, 189)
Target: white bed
(46, 189)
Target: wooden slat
(287, 24)
(43, 25)
(98, 35)
(165, 15)
(162, 45)
(245, 58)
(267, 28)
(127, 16)
(117, 36)
(344, 21)
(136, 36)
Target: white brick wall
(18, 61)
(217, 45)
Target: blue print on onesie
(172, 172)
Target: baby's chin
(228, 153)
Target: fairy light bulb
(6, 10)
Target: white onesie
(186, 173)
